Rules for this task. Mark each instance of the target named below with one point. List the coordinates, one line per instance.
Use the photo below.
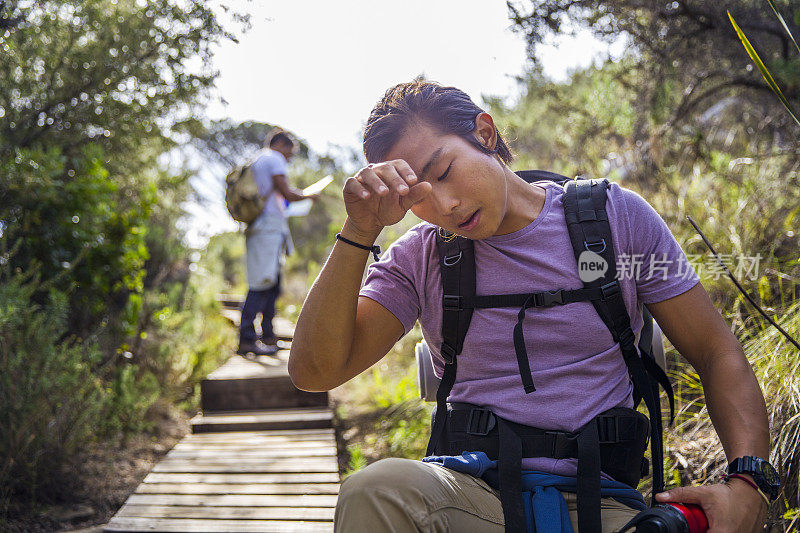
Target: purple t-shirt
(577, 368)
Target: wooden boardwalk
(261, 457)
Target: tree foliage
(685, 64)
(89, 95)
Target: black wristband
(374, 249)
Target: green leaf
(760, 64)
(785, 27)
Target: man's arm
(735, 402)
(339, 334)
(287, 191)
(734, 398)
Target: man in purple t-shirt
(434, 152)
(576, 376)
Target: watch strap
(754, 467)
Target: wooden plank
(232, 315)
(246, 388)
(225, 513)
(262, 366)
(246, 454)
(254, 437)
(220, 439)
(234, 447)
(312, 464)
(273, 419)
(246, 459)
(238, 488)
(235, 500)
(270, 414)
(298, 433)
(243, 478)
(231, 301)
(190, 525)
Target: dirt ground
(109, 474)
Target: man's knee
(391, 474)
(385, 495)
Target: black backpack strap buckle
(601, 242)
(481, 422)
(627, 337)
(549, 298)
(452, 302)
(563, 444)
(448, 353)
(610, 289)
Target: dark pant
(259, 301)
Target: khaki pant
(403, 495)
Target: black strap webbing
(457, 264)
(522, 353)
(589, 517)
(587, 222)
(438, 433)
(650, 364)
(509, 467)
(528, 299)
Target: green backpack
(242, 198)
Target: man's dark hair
(278, 136)
(447, 109)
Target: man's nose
(445, 201)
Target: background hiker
(267, 239)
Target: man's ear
(485, 131)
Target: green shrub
(49, 398)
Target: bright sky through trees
(317, 67)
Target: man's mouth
(471, 222)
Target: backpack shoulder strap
(457, 266)
(589, 230)
(541, 175)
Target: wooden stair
(261, 457)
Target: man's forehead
(421, 153)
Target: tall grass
(695, 455)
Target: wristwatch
(763, 474)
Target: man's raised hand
(380, 195)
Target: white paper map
(302, 207)
(316, 188)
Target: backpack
(608, 439)
(242, 198)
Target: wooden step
(238, 481)
(255, 384)
(264, 436)
(234, 500)
(234, 478)
(238, 488)
(262, 457)
(228, 512)
(303, 418)
(231, 465)
(192, 525)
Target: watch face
(770, 475)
